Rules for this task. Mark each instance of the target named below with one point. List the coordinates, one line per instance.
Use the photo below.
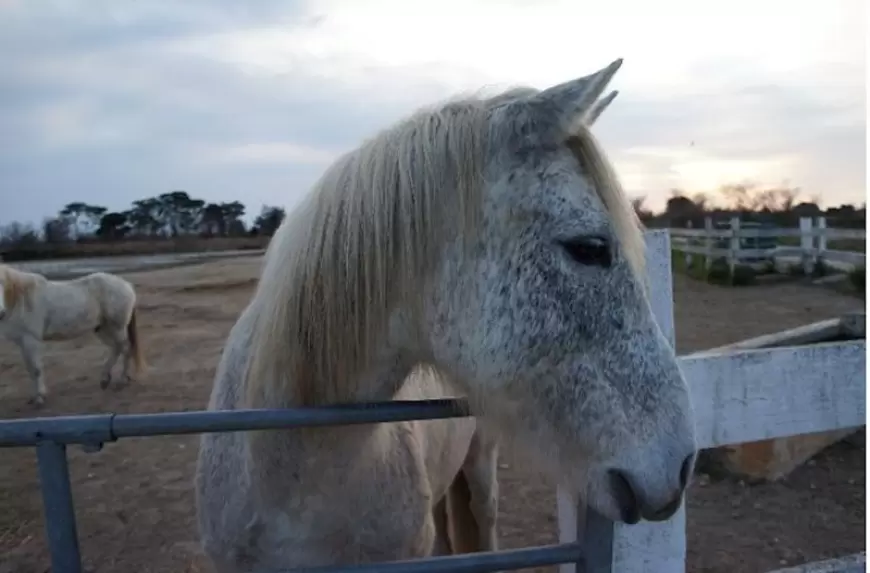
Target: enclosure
(133, 499)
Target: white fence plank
(776, 392)
(738, 397)
(814, 237)
(644, 547)
(856, 563)
(659, 547)
(831, 233)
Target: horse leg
(111, 339)
(127, 349)
(31, 351)
(442, 533)
(481, 472)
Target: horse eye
(589, 251)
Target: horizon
(113, 103)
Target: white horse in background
(34, 309)
(483, 248)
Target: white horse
(482, 248)
(34, 309)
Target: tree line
(169, 215)
(781, 206)
(178, 215)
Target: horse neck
(386, 369)
(307, 460)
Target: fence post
(708, 246)
(57, 501)
(822, 240)
(806, 227)
(734, 246)
(644, 547)
(690, 242)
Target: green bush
(820, 269)
(720, 273)
(744, 275)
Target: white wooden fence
(814, 235)
(738, 396)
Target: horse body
(34, 310)
(482, 248)
(361, 493)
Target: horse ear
(573, 100)
(600, 106)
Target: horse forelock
(363, 239)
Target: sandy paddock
(134, 499)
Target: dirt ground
(134, 499)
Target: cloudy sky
(110, 101)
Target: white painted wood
(856, 563)
(853, 325)
(659, 548)
(741, 396)
(777, 392)
(734, 246)
(692, 242)
(688, 254)
(661, 280)
(708, 245)
(821, 238)
(806, 226)
(829, 232)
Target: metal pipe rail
(51, 435)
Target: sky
(108, 101)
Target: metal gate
(51, 436)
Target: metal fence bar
(50, 435)
(138, 425)
(506, 560)
(60, 517)
(598, 543)
(102, 428)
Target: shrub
(720, 273)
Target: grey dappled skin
(477, 251)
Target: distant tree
(807, 209)
(268, 220)
(213, 220)
(179, 212)
(19, 234)
(144, 217)
(223, 219)
(237, 228)
(233, 213)
(738, 196)
(113, 226)
(640, 210)
(84, 218)
(56, 230)
(701, 201)
(680, 209)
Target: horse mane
(361, 240)
(17, 285)
(365, 237)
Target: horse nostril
(625, 496)
(686, 471)
(667, 511)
